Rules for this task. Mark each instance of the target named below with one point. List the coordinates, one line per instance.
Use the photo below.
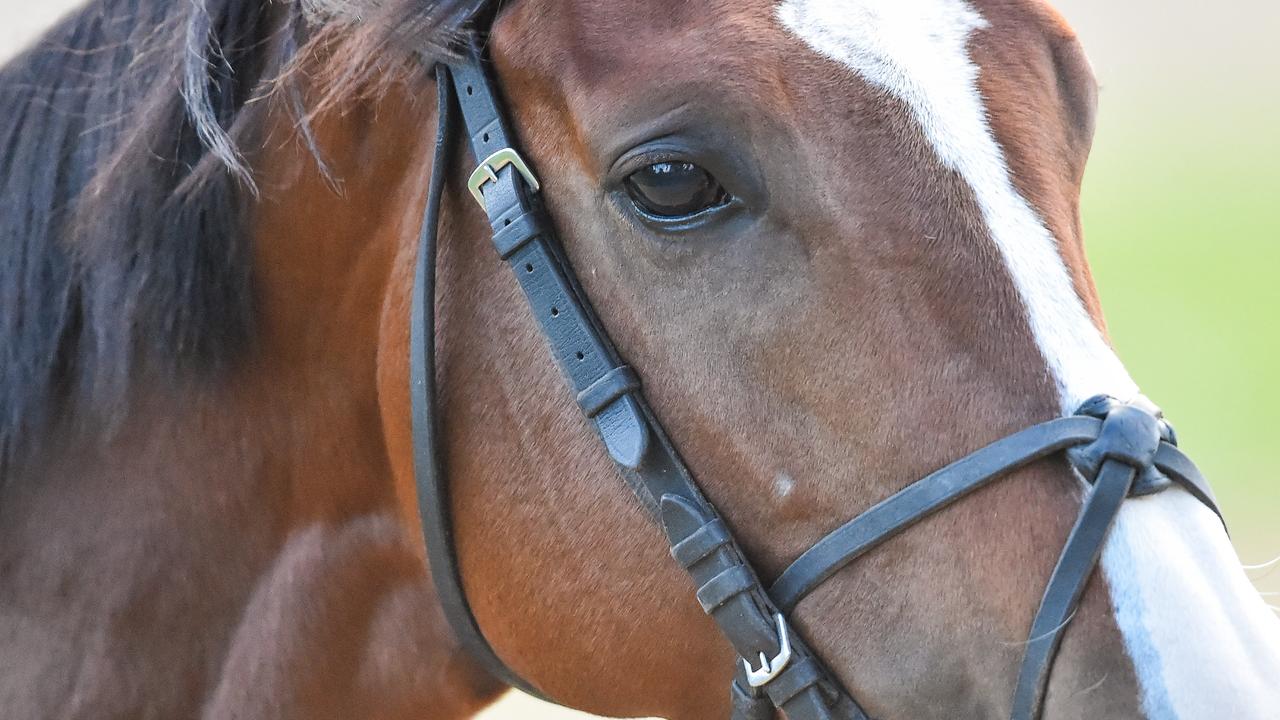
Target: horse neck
(292, 428)
(263, 500)
(329, 242)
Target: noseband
(1119, 449)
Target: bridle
(1120, 449)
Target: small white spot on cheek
(783, 485)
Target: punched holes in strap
(515, 233)
(609, 387)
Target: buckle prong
(487, 172)
(770, 669)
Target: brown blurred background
(1182, 215)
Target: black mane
(125, 196)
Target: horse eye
(674, 190)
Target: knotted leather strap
(1120, 443)
(1128, 446)
(922, 498)
(939, 489)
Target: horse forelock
(127, 182)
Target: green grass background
(1184, 238)
(1181, 208)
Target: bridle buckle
(770, 669)
(487, 172)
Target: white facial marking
(918, 51)
(783, 484)
(1203, 642)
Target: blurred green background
(1182, 219)
(1182, 224)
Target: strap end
(625, 432)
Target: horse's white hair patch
(1202, 641)
(783, 485)
(917, 51)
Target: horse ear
(1077, 90)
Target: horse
(840, 241)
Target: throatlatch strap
(432, 485)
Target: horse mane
(127, 183)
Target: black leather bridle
(1120, 449)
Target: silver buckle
(770, 669)
(488, 172)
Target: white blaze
(1202, 641)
